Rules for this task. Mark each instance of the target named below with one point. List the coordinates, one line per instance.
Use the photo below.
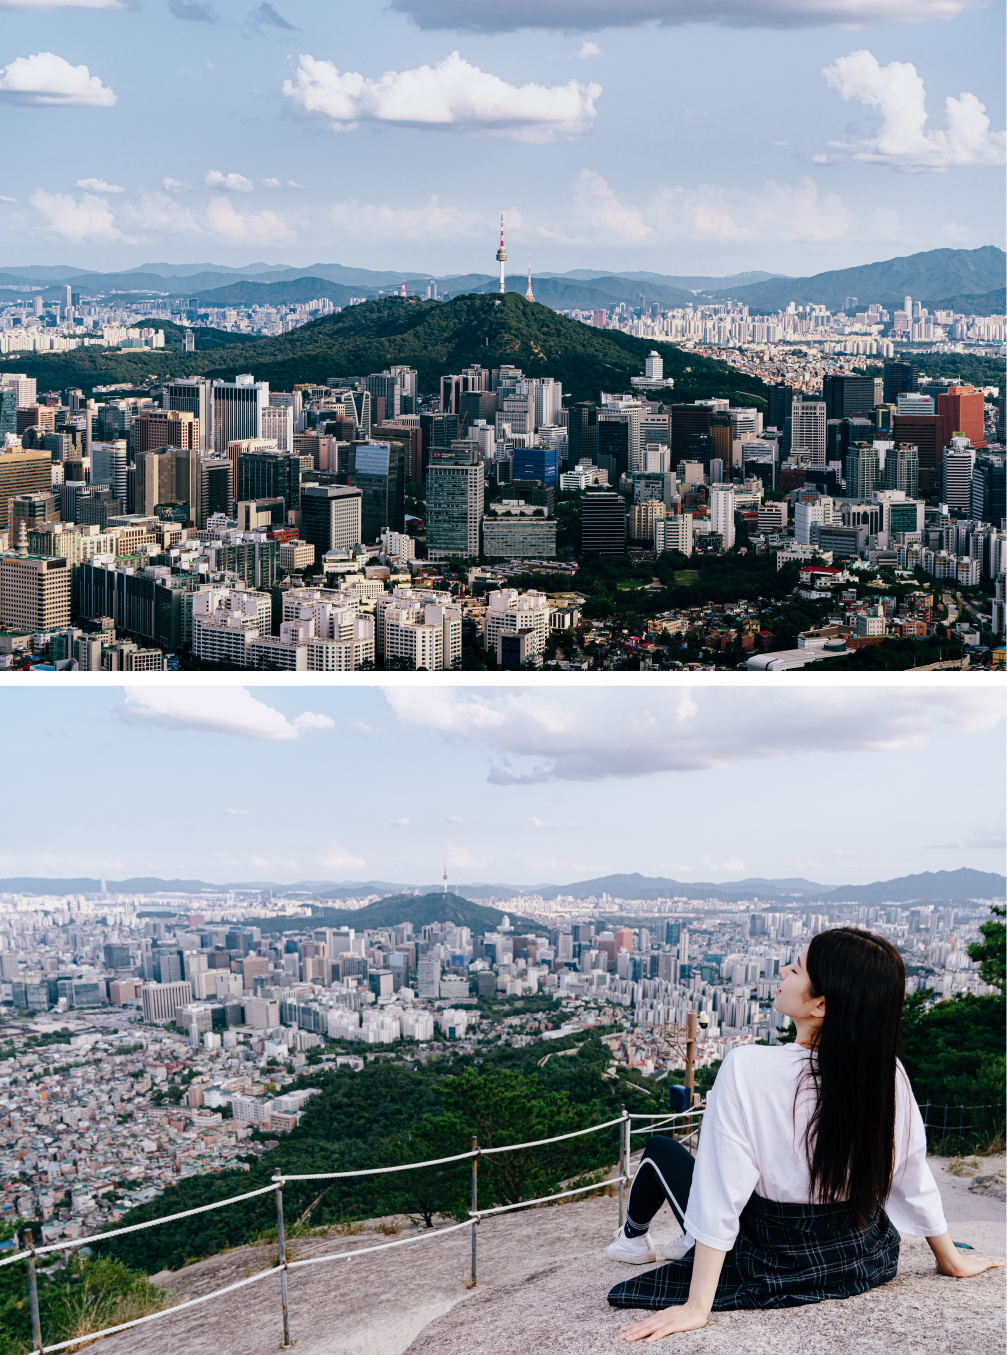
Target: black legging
(664, 1173)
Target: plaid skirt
(785, 1255)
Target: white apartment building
(397, 545)
(417, 1025)
(510, 611)
(773, 516)
(807, 429)
(295, 555)
(425, 634)
(819, 512)
(674, 533)
(722, 510)
(223, 637)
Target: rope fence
(30, 1252)
(949, 1122)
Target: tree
(992, 950)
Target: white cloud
(292, 183)
(337, 858)
(453, 818)
(592, 15)
(772, 212)
(365, 728)
(46, 80)
(266, 227)
(42, 6)
(271, 183)
(538, 736)
(399, 823)
(430, 221)
(174, 186)
(896, 92)
(87, 220)
(453, 95)
(237, 813)
(5, 199)
(215, 710)
(542, 823)
(230, 183)
(99, 186)
(589, 49)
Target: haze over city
(657, 136)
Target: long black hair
(850, 1138)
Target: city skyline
(518, 784)
(791, 138)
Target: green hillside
(421, 910)
(432, 336)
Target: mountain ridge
(926, 886)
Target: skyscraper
(454, 506)
(330, 517)
(169, 476)
(722, 513)
(378, 472)
(110, 466)
(582, 432)
(902, 469)
(807, 420)
(237, 410)
(846, 394)
(193, 395)
(861, 471)
(603, 522)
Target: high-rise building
(902, 469)
(34, 593)
(24, 388)
(925, 432)
(962, 408)
(612, 446)
(168, 476)
(582, 432)
(988, 485)
(688, 421)
(110, 466)
(278, 423)
(722, 513)
(193, 395)
(955, 478)
(603, 523)
(330, 517)
(23, 471)
(846, 394)
(377, 471)
(237, 411)
(164, 428)
(674, 533)
(216, 488)
(537, 463)
(31, 510)
(454, 506)
(807, 423)
(899, 378)
(162, 1000)
(861, 470)
(268, 473)
(8, 413)
(781, 398)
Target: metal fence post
(475, 1204)
(944, 1130)
(36, 1321)
(629, 1154)
(281, 1254)
(623, 1164)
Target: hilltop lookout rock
(543, 1279)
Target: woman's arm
(695, 1311)
(951, 1261)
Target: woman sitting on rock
(812, 1159)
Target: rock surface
(543, 1278)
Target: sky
(675, 136)
(508, 785)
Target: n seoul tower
(502, 256)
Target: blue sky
(665, 144)
(837, 784)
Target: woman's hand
(665, 1323)
(962, 1265)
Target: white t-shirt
(752, 1141)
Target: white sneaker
(635, 1251)
(678, 1247)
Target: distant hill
(603, 293)
(982, 303)
(421, 910)
(934, 272)
(434, 337)
(247, 292)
